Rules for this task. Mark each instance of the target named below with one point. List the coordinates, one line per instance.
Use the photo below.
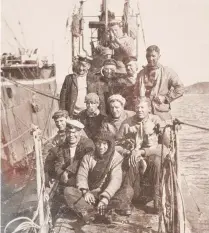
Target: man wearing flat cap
(49, 151)
(74, 88)
(91, 117)
(129, 82)
(108, 83)
(70, 153)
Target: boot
(156, 206)
(125, 211)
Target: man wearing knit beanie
(91, 117)
(117, 114)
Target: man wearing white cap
(71, 152)
(74, 88)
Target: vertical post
(106, 15)
(137, 37)
(180, 202)
(36, 138)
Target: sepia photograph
(104, 116)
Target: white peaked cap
(75, 123)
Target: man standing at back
(159, 83)
(74, 88)
(122, 44)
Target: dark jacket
(92, 124)
(104, 89)
(69, 93)
(63, 163)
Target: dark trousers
(77, 203)
(138, 187)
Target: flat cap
(83, 58)
(60, 113)
(110, 62)
(129, 59)
(74, 124)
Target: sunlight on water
(194, 152)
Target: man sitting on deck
(91, 117)
(71, 152)
(60, 117)
(99, 177)
(117, 114)
(142, 130)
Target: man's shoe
(124, 212)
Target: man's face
(142, 110)
(131, 68)
(73, 135)
(101, 147)
(92, 106)
(83, 68)
(60, 123)
(109, 71)
(116, 30)
(116, 109)
(152, 58)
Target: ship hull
(22, 106)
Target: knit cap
(118, 98)
(93, 97)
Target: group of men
(109, 134)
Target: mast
(106, 14)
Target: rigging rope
(15, 38)
(15, 139)
(30, 223)
(31, 89)
(170, 220)
(177, 121)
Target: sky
(179, 27)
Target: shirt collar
(142, 121)
(132, 79)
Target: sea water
(194, 157)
